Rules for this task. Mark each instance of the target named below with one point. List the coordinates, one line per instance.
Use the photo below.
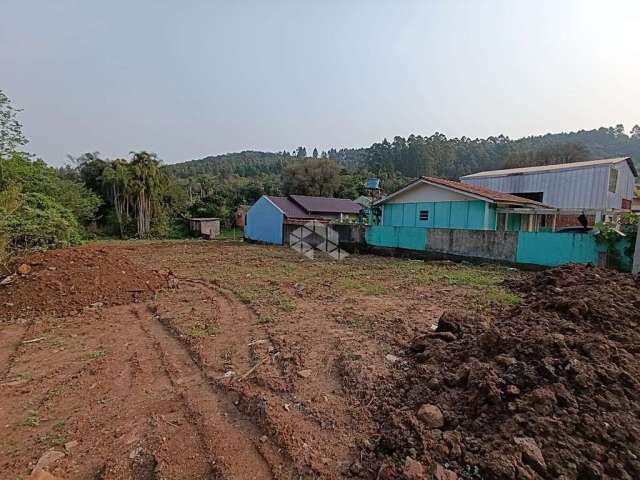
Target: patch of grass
(371, 289)
(247, 293)
(59, 425)
(32, 419)
(230, 234)
(502, 296)
(464, 276)
(262, 319)
(285, 304)
(59, 440)
(200, 330)
(362, 286)
(54, 392)
(98, 354)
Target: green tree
(147, 185)
(301, 152)
(11, 136)
(116, 183)
(315, 152)
(318, 176)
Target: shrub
(39, 221)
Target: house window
(424, 214)
(501, 222)
(613, 179)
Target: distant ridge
(437, 155)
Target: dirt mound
(549, 390)
(60, 282)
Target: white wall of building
(586, 187)
(424, 192)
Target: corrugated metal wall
(579, 188)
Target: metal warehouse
(599, 186)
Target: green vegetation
(98, 354)
(200, 330)
(487, 279)
(32, 419)
(620, 240)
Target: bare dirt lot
(207, 360)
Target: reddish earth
(221, 360)
(64, 282)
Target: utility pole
(636, 253)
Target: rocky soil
(549, 389)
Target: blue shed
(264, 222)
(266, 218)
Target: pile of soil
(61, 282)
(550, 389)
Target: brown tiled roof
(489, 194)
(326, 204)
(481, 191)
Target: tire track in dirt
(264, 385)
(11, 337)
(230, 439)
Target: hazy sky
(190, 78)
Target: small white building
(595, 187)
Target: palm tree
(147, 185)
(116, 182)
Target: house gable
(422, 191)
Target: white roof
(560, 166)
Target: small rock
(441, 473)
(135, 452)
(49, 457)
(391, 358)
(70, 445)
(97, 305)
(512, 390)
(7, 280)
(444, 336)
(531, 453)
(431, 416)
(24, 268)
(304, 373)
(413, 470)
(264, 438)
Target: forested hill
(435, 155)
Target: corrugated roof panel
(560, 166)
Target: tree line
(138, 196)
(434, 155)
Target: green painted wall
(412, 238)
(461, 215)
(492, 217)
(552, 249)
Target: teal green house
(448, 217)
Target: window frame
(613, 177)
